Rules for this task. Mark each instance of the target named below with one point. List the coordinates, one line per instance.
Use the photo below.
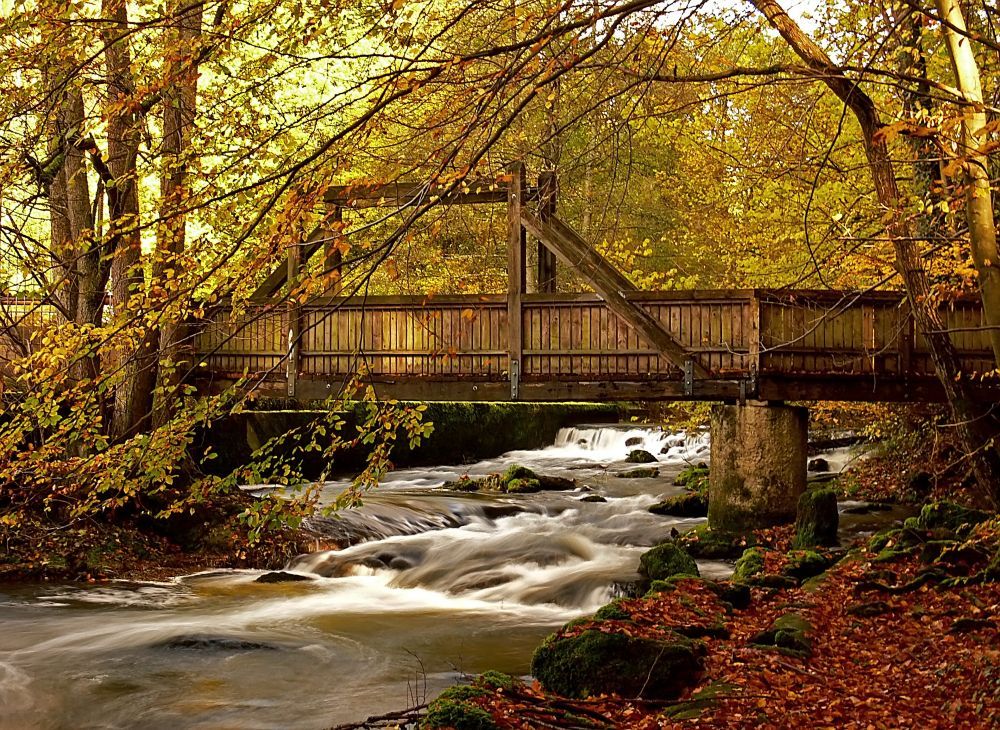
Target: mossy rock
(803, 564)
(816, 519)
(516, 471)
(493, 680)
(736, 595)
(682, 505)
(750, 564)
(593, 498)
(647, 473)
(694, 478)
(456, 714)
(704, 542)
(556, 484)
(665, 560)
(790, 634)
(613, 612)
(640, 456)
(595, 662)
(950, 516)
(523, 486)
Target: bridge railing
(763, 343)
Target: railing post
(906, 342)
(516, 275)
(547, 190)
(294, 319)
(754, 334)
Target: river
(441, 583)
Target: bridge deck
(766, 344)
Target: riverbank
(901, 632)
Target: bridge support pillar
(758, 465)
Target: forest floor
(901, 632)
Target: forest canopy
(161, 157)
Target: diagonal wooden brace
(612, 286)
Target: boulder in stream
(647, 473)
(818, 465)
(689, 504)
(666, 560)
(640, 456)
(516, 479)
(282, 576)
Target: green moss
(750, 564)
(595, 662)
(461, 692)
(613, 612)
(660, 586)
(516, 471)
(804, 564)
(704, 542)
(790, 633)
(817, 519)
(493, 680)
(648, 473)
(682, 505)
(880, 539)
(950, 516)
(665, 560)
(457, 714)
(523, 486)
(694, 478)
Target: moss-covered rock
(750, 564)
(665, 560)
(816, 519)
(790, 634)
(516, 479)
(523, 486)
(457, 714)
(690, 504)
(803, 564)
(640, 456)
(595, 662)
(492, 680)
(950, 516)
(706, 543)
(694, 478)
(647, 473)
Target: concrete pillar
(758, 465)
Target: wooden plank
(610, 284)
(547, 191)
(516, 273)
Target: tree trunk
(179, 106)
(133, 393)
(978, 196)
(973, 420)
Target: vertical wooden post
(516, 274)
(906, 341)
(333, 259)
(754, 336)
(547, 190)
(294, 318)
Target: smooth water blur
(435, 584)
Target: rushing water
(437, 583)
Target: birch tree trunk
(978, 196)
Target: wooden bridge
(753, 344)
(616, 344)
